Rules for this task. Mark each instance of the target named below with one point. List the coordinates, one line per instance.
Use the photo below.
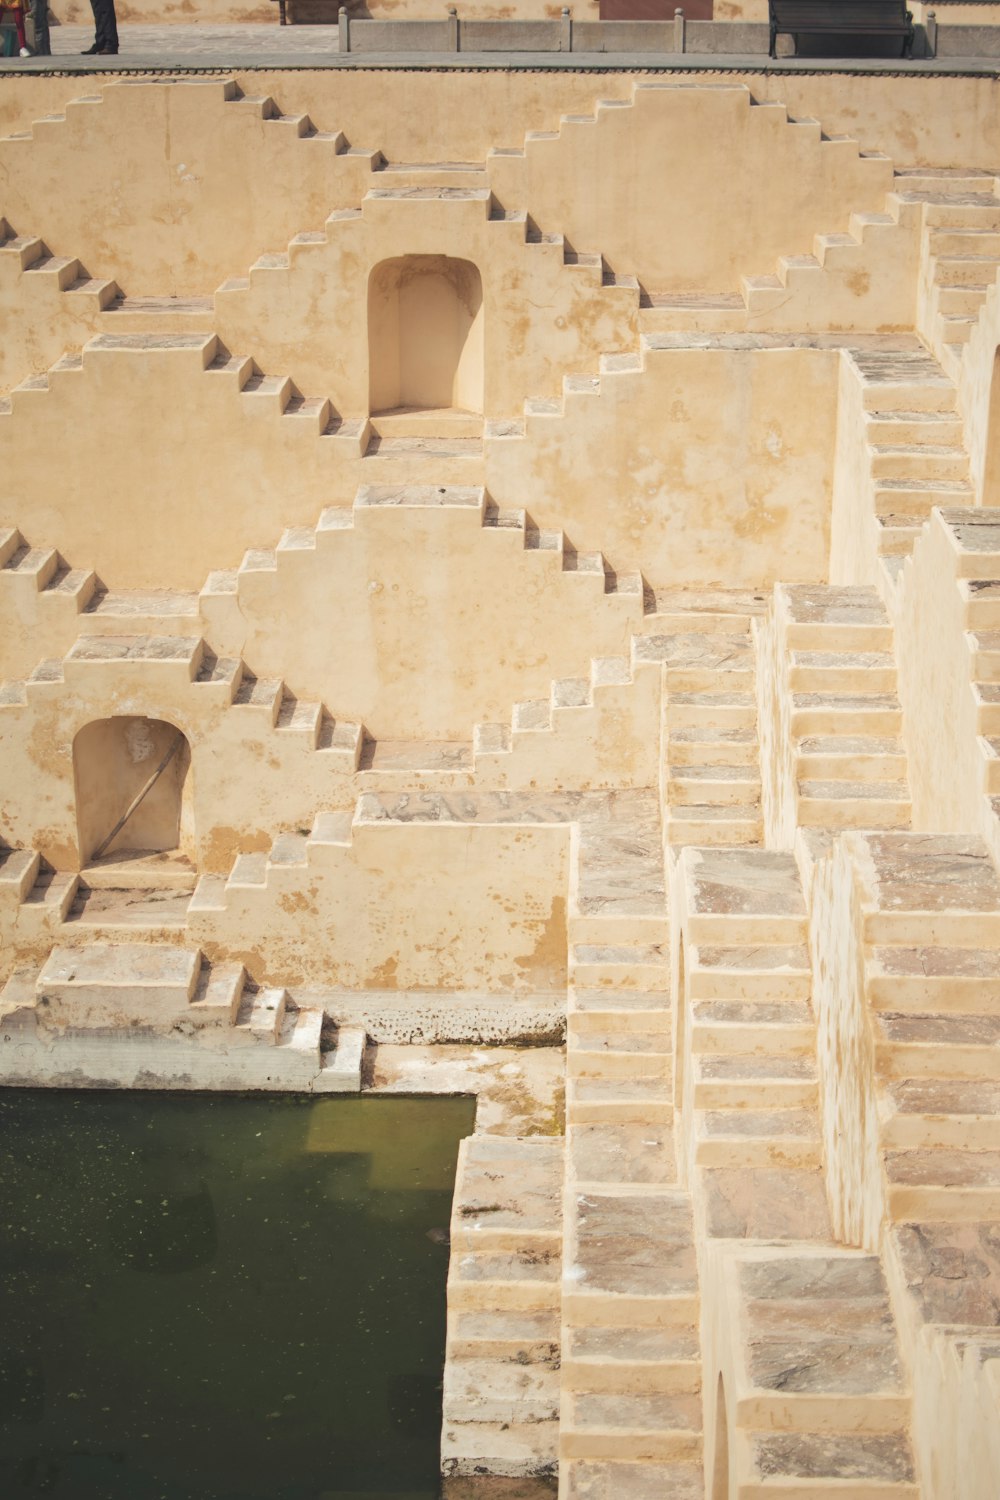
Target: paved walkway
(185, 48)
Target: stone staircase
(631, 1374)
(745, 1079)
(932, 961)
(181, 663)
(711, 776)
(812, 1397)
(974, 538)
(501, 1380)
(844, 717)
(179, 994)
(915, 455)
(960, 252)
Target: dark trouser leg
(41, 18)
(105, 25)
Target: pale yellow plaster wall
(426, 116)
(216, 471)
(193, 183)
(845, 1050)
(945, 767)
(944, 121)
(382, 912)
(420, 623)
(956, 1412)
(38, 807)
(853, 536)
(539, 319)
(720, 461)
(716, 161)
(611, 744)
(779, 792)
(979, 400)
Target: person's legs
(41, 15)
(22, 40)
(106, 25)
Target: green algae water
(218, 1297)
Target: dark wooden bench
(867, 18)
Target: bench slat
(841, 18)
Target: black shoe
(107, 51)
(89, 51)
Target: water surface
(219, 1297)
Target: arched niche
(113, 761)
(991, 470)
(425, 335)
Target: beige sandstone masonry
(742, 162)
(177, 221)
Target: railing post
(680, 31)
(930, 33)
(566, 41)
(454, 35)
(344, 29)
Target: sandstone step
(713, 785)
(895, 380)
(981, 603)
(632, 1360)
(820, 1344)
(714, 825)
(606, 1153)
(102, 982)
(500, 1448)
(853, 804)
(711, 710)
(755, 1028)
(642, 1429)
(956, 1186)
(487, 1391)
(619, 1100)
(817, 714)
(915, 427)
(938, 1047)
(985, 648)
(911, 500)
(341, 1066)
(962, 240)
(617, 965)
(508, 1194)
(958, 292)
(593, 1011)
(618, 1055)
(515, 1281)
(219, 993)
(706, 746)
(897, 534)
(523, 1337)
(809, 1465)
(930, 979)
(762, 973)
(923, 461)
(754, 1082)
(19, 869)
(630, 1259)
(845, 757)
(854, 672)
(680, 1479)
(758, 1138)
(933, 1113)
